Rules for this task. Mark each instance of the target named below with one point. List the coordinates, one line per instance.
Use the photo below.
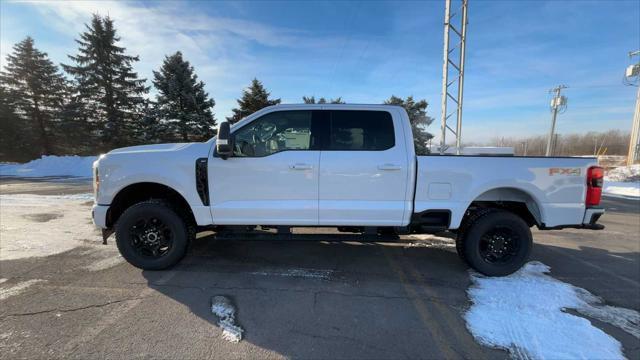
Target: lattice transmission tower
(453, 71)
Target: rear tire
(494, 242)
(152, 236)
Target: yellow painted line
(450, 316)
(429, 322)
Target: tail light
(595, 178)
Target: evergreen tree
(312, 100)
(182, 108)
(419, 120)
(253, 99)
(109, 90)
(32, 97)
(16, 139)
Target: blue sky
(366, 51)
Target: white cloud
(218, 47)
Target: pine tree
(312, 100)
(34, 92)
(182, 108)
(108, 89)
(419, 120)
(253, 99)
(16, 139)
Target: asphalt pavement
(319, 299)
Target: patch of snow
(622, 189)
(17, 288)
(76, 166)
(24, 236)
(431, 241)
(625, 319)
(304, 273)
(525, 314)
(623, 181)
(624, 173)
(224, 310)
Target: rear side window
(360, 130)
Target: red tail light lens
(595, 179)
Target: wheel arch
(515, 200)
(143, 191)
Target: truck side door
(272, 177)
(363, 169)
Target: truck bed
(553, 188)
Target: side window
(361, 130)
(272, 133)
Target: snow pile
(525, 313)
(42, 225)
(624, 174)
(222, 308)
(76, 166)
(623, 181)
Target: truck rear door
(363, 169)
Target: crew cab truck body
(346, 166)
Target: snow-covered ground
(77, 166)
(623, 181)
(526, 313)
(43, 225)
(624, 173)
(622, 189)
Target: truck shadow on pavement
(301, 299)
(330, 299)
(337, 299)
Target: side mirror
(223, 142)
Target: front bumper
(99, 215)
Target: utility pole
(633, 75)
(558, 103)
(456, 85)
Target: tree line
(612, 142)
(96, 101)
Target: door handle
(300, 166)
(389, 167)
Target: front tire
(495, 242)
(152, 236)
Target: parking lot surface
(329, 296)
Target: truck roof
(333, 106)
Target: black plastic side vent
(202, 180)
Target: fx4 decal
(564, 171)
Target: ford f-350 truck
(345, 166)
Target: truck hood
(148, 148)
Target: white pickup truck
(352, 167)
